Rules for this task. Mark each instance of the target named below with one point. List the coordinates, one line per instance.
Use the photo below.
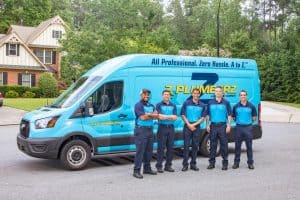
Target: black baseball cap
(143, 91)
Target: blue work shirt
(243, 113)
(166, 109)
(218, 111)
(193, 111)
(141, 108)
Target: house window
(26, 80)
(48, 57)
(12, 49)
(3, 78)
(56, 34)
(45, 56)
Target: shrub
(36, 91)
(17, 88)
(12, 94)
(28, 94)
(48, 85)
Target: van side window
(108, 97)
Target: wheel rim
(76, 155)
(208, 146)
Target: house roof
(28, 34)
(23, 31)
(22, 67)
(15, 38)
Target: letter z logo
(210, 79)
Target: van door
(110, 122)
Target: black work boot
(169, 169)
(137, 174)
(235, 166)
(150, 171)
(210, 166)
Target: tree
(23, 12)
(240, 45)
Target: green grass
(27, 104)
(289, 104)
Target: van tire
(205, 145)
(75, 155)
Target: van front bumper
(39, 148)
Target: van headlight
(48, 122)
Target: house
(27, 52)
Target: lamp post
(218, 30)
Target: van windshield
(75, 92)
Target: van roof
(157, 60)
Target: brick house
(27, 52)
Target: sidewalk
(271, 112)
(10, 116)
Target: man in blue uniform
(143, 132)
(218, 124)
(193, 112)
(244, 113)
(167, 114)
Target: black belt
(137, 126)
(167, 125)
(218, 123)
(244, 124)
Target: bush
(12, 94)
(36, 91)
(48, 85)
(17, 88)
(28, 94)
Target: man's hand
(191, 127)
(208, 129)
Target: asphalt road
(276, 174)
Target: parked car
(1, 99)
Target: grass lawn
(289, 104)
(27, 104)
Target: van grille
(24, 128)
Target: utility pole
(218, 30)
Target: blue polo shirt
(243, 113)
(218, 111)
(193, 111)
(166, 109)
(141, 108)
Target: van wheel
(75, 154)
(205, 146)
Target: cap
(145, 91)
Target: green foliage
(17, 88)
(240, 45)
(25, 12)
(12, 94)
(37, 91)
(28, 94)
(48, 85)
(268, 31)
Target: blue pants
(144, 147)
(243, 133)
(165, 138)
(189, 136)
(218, 132)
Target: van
(95, 115)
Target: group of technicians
(218, 115)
